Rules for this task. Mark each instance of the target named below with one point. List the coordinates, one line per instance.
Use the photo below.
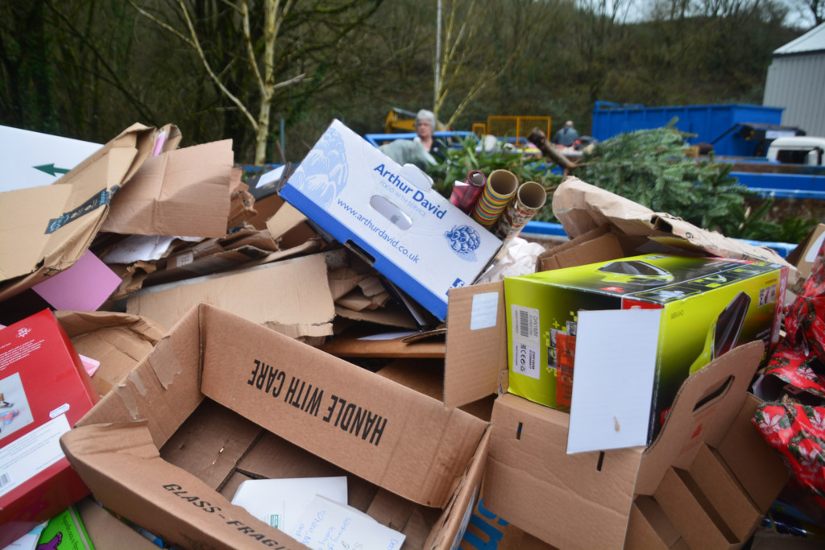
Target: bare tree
(274, 13)
(467, 65)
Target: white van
(804, 150)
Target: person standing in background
(424, 128)
(566, 135)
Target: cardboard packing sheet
(180, 192)
(375, 429)
(44, 230)
(118, 340)
(290, 296)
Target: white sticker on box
(31, 454)
(526, 342)
(184, 259)
(485, 311)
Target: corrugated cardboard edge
(450, 526)
(144, 395)
(474, 358)
(685, 429)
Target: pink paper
(82, 287)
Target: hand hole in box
(714, 395)
(391, 211)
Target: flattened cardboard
(291, 296)
(391, 317)
(476, 344)
(183, 192)
(120, 461)
(44, 230)
(118, 340)
(350, 344)
(581, 207)
(214, 256)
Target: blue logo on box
(464, 240)
(323, 173)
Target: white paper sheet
(327, 525)
(281, 503)
(613, 376)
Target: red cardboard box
(43, 392)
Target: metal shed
(796, 81)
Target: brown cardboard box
(44, 230)
(706, 481)
(590, 497)
(290, 296)
(409, 445)
(118, 340)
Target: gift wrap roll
(530, 198)
(465, 196)
(499, 191)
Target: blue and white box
(367, 201)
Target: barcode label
(4, 480)
(526, 321)
(524, 324)
(767, 295)
(526, 343)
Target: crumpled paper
(518, 257)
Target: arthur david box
(44, 390)
(205, 411)
(703, 308)
(390, 214)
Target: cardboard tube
(530, 198)
(465, 194)
(499, 191)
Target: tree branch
(195, 43)
(247, 38)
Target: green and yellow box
(710, 305)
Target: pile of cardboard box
(321, 323)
